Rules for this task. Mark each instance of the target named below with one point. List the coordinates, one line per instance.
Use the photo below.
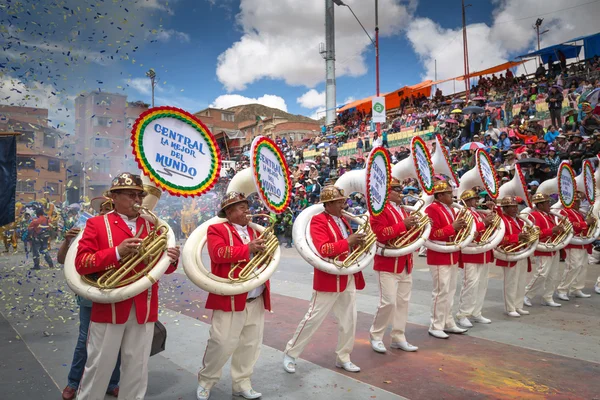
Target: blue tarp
(570, 51)
(591, 44)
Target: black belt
(250, 300)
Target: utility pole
(536, 27)
(377, 57)
(152, 75)
(329, 55)
(466, 50)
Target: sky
(222, 53)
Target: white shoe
(248, 394)
(438, 334)
(455, 329)
(522, 312)
(597, 289)
(563, 296)
(465, 322)
(404, 346)
(202, 393)
(514, 314)
(378, 346)
(551, 303)
(527, 302)
(482, 320)
(348, 366)
(580, 294)
(289, 364)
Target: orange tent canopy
(493, 70)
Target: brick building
(102, 141)
(279, 127)
(224, 127)
(41, 170)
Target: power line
(548, 13)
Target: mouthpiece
(137, 207)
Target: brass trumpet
(558, 239)
(415, 231)
(533, 234)
(149, 252)
(253, 268)
(464, 232)
(370, 239)
(592, 228)
(489, 230)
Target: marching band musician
(443, 266)
(545, 278)
(127, 325)
(475, 268)
(573, 279)
(237, 323)
(332, 236)
(395, 279)
(515, 272)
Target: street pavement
(552, 353)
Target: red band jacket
(96, 253)
(546, 222)
(226, 248)
(480, 258)
(514, 226)
(388, 226)
(580, 227)
(329, 242)
(441, 231)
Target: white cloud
(509, 35)
(165, 35)
(230, 100)
(281, 40)
(312, 99)
(160, 5)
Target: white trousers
(442, 297)
(104, 342)
(343, 306)
(573, 277)
(474, 288)
(238, 335)
(545, 279)
(394, 295)
(514, 286)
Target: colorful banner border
(484, 154)
(373, 155)
(523, 181)
(565, 165)
(258, 144)
(440, 144)
(418, 142)
(591, 196)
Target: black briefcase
(159, 340)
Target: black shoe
(34, 269)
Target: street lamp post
(152, 75)
(537, 25)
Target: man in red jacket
(515, 272)
(332, 236)
(545, 278)
(476, 268)
(127, 325)
(394, 273)
(443, 266)
(573, 279)
(238, 321)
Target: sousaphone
(586, 183)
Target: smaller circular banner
(440, 145)
(379, 177)
(487, 173)
(423, 165)
(589, 182)
(176, 151)
(566, 185)
(524, 187)
(271, 174)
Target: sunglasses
(133, 195)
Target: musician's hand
(490, 205)
(557, 229)
(129, 246)
(459, 224)
(72, 233)
(356, 238)
(411, 221)
(523, 237)
(590, 221)
(256, 246)
(487, 221)
(173, 253)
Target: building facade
(41, 164)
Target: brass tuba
(124, 282)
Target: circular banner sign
(176, 151)
(271, 174)
(440, 145)
(487, 173)
(566, 185)
(589, 182)
(524, 187)
(379, 178)
(423, 165)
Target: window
(51, 188)
(53, 165)
(260, 128)
(26, 137)
(102, 166)
(102, 100)
(25, 163)
(101, 142)
(102, 121)
(25, 186)
(227, 117)
(49, 140)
